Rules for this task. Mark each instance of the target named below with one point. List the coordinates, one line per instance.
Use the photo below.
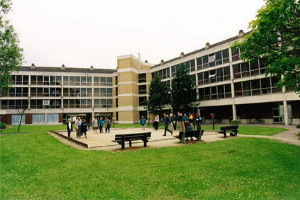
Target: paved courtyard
(103, 141)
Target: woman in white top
(95, 125)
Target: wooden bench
(195, 133)
(232, 129)
(121, 139)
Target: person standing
(101, 123)
(78, 127)
(83, 127)
(174, 121)
(181, 128)
(95, 125)
(69, 127)
(167, 121)
(143, 122)
(198, 121)
(107, 125)
(185, 120)
(156, 122)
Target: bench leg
(130, 143)
(225, 134)
(123, 143)
(145, 143)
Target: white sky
(81, 33)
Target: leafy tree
(183, 91)
(159, 96)
(275, 37)
(10, 52)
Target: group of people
(184, 122)
(81, 126)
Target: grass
(251, 130)
(32, 128)
(246, 130)
(37, 166)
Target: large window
(235, 54)
(256, 87)
(214, 59)
(142, 101)
(45, 104)
(17, 92)
(215, 92)
(45, 92)
(142, 78)
(19, 80)
(45, 80)
(164, 73)
(246, 69)
(103, 81)
(142, 89)
(212, 76)
(77, 92)
(103, 103)
(103, 92)
(77, 80)
(14, 104)
(77, 103)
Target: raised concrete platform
(103, 141)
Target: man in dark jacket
(167, 121)
(83, 127)
(69, 127)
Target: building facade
(226, 86)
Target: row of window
(215, 92)
(56, 92)
(256, 87)
(213, 76)
(57, 80)
(247, 69)
(56, 103)
(214, 59)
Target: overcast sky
(81, 33)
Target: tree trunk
(20, 123)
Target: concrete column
(286, 114)
(234, 111)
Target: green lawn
(33, 128)
(37, 166)
(251, 130)
(247, 130)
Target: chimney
(162, 62)
(32, 66)
(241, 33)
(92, 68)
(63, 67)
(181, 54)
(146, 61)
(207, 45)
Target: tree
(10, 52)
(183, 91)
(159, 96)
(275, 37)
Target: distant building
(226, 86)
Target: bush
(2, 125)
(298, 126)
(234, 122)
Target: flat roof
(67, 69)
(202, 49)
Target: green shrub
(2, 125)
(234, 122)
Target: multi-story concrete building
(226, 86)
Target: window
(215, 92)
(14, 104)
(142, 89)
(235, 54)
(142, 78)
(142, 101)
